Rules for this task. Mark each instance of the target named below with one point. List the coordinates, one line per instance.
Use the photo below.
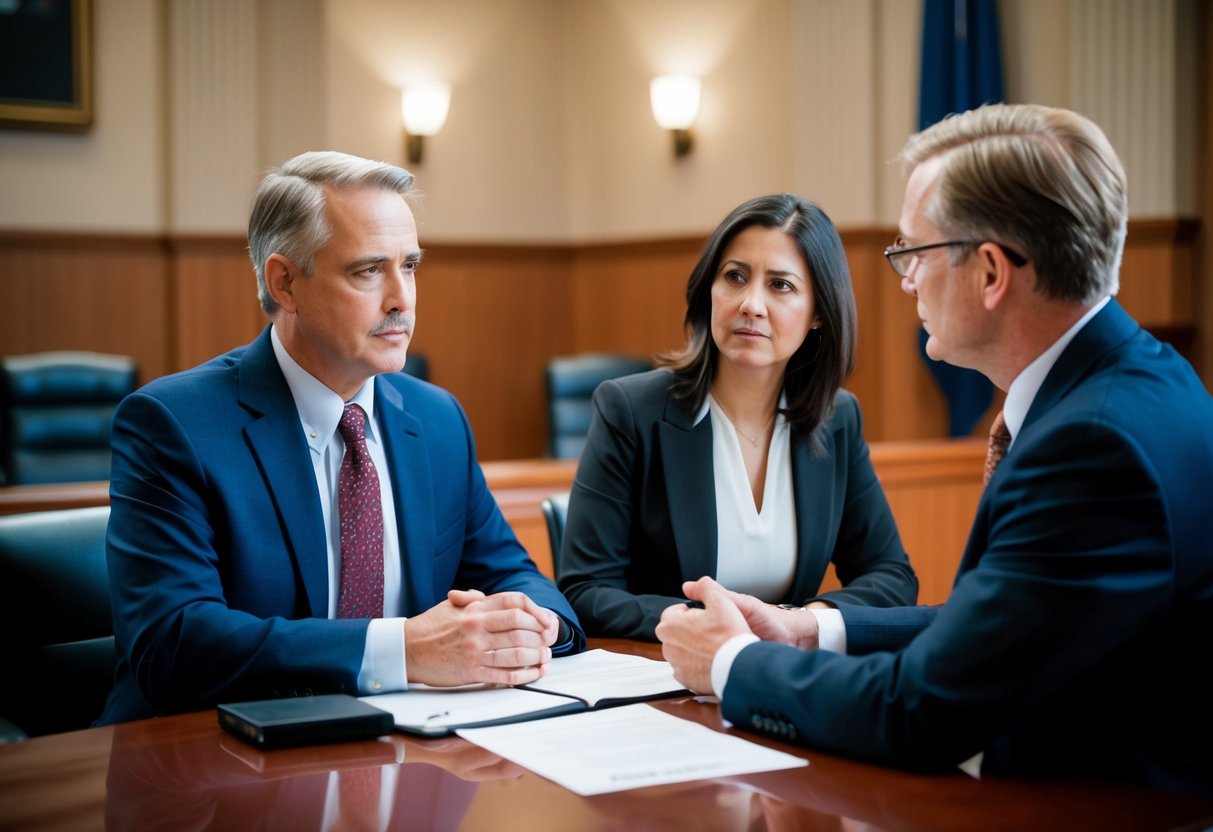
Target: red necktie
(1000, 440)
(360, 510)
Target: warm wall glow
(675, 101)
(424, 108)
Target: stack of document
(584, 682)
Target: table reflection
(211, 780)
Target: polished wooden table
(183, 772)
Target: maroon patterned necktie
(1000, 440)
(360, 510)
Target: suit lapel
(686, 455)
(1110, 328)
(815, 489)
(412, 492)
(276, 440)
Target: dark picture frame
(46, 64)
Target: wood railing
(933, 488)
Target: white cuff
(831, 630)
(722, 662)
(383, 669)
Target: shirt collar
(319, 407)
(1024, 388)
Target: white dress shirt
(755, 550)
(320, 409)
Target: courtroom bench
(933, 487)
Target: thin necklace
(753, 440)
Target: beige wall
(550, 138)
(111, 178)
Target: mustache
(393, 322)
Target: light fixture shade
(424, 108)
(675, 101)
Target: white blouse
(755, 550)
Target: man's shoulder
(209, 377)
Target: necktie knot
(353, 424)
(1000, 440)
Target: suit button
(756, 721)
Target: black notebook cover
(304, 720)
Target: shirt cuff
(722, 662)
(831, 631)
(383, 668)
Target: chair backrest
(555, 509)
(571, 381)
(57, 648)
(58, 411)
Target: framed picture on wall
(46, 64)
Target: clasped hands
(501, 639)
(691, 637)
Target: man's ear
(997, 273)
(280, 276)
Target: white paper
(599, 675)
(625, 748)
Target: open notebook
(584, 682)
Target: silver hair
(288, 208)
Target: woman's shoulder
(652, 385)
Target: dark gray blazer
(642, 514)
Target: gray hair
(288, 208)
(1040, 179)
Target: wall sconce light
(423, 108)
(675, 101)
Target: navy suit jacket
(1080, 627)
(216, 546)
(642, 513)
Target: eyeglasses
(901, 258)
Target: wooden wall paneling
(933, 489)
(105, 293)
(631, 297)
(869, 275)
(1157, 273)
(488, 320)
(214, 299)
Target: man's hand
(502, 639)
(773, 623)
(690, 637)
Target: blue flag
(961, 69)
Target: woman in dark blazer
(741, 458)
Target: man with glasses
(1080, 624)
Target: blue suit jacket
(1080, 625)
(216, 547)
(642, 513)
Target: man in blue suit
(227, 532)
(1080, 625)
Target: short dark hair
(816, 370)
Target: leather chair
(57, 648)
(555, 510)
(571, 381)
(58, 409)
